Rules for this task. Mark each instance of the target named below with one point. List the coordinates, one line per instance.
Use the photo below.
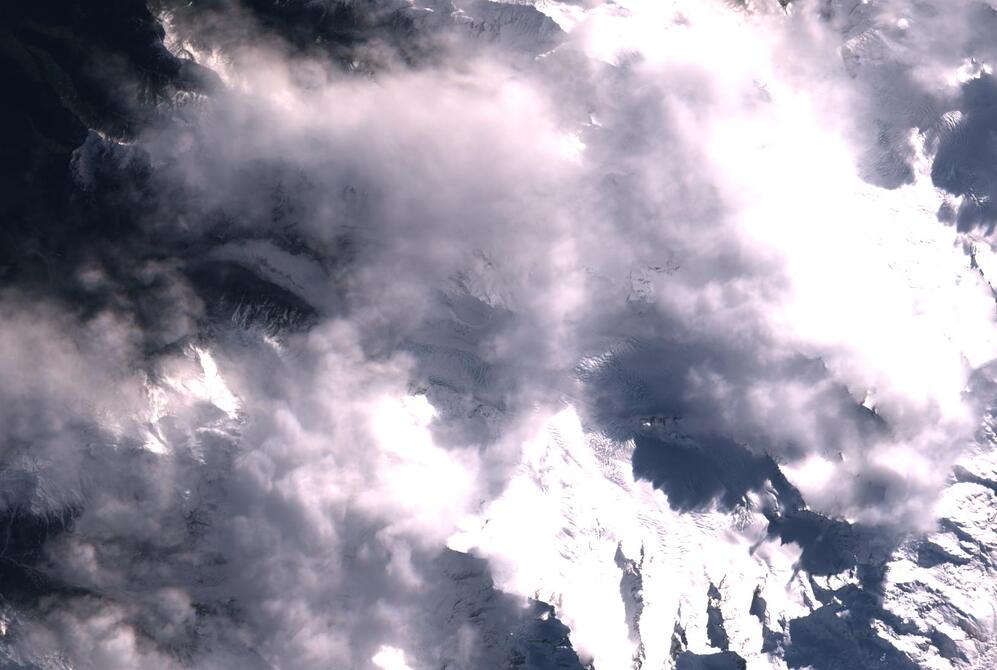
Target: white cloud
(669, 218)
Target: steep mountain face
(70, 68)
(289, 425)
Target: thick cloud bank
(477, 334)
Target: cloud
(363, 273)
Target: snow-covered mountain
(472, 334)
